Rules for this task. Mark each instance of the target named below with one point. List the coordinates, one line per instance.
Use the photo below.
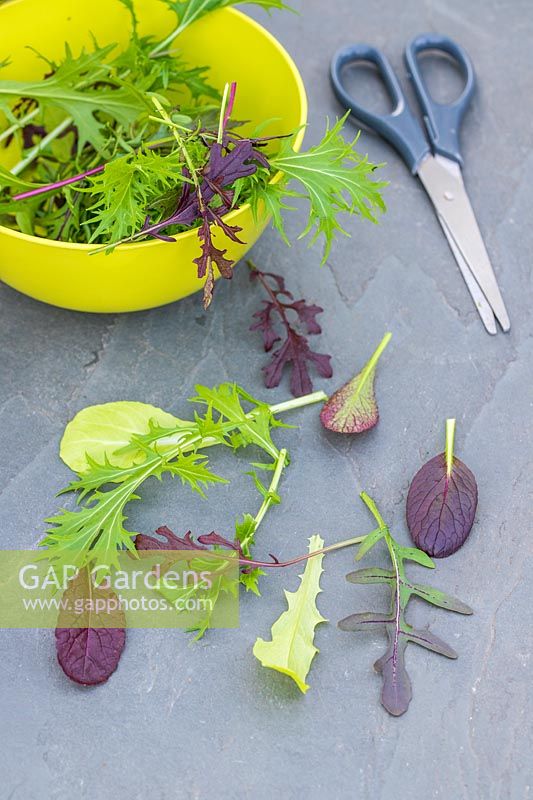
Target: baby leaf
(442, 502)
(396, 693)
(101, 431)
(353, 407)
(284, 319)
(292, 648)
(89, 655)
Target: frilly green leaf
(292, 647)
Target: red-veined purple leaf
(89, 645)
(353, 407)
(441, 503)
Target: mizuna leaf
(396, 693)
(188, 11)
(292, 649)
(442, 502)
(284, 319)
(89, 655)
(101, 431)
(353, 407)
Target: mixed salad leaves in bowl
(145, 144)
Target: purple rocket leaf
(397, 692)
(441, 503)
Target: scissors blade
(442, 180)
(480, 301)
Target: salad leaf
(334, 179)
(294, 351)
(65, 89)
(442, 502)
(94, 530)
(397, 692)
(353, 407)
(292, 649)
(101, 432)
(188, 11)
(89, 655)
(105, 170)
(127, 188)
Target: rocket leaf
(70, 90)
(89, 655)
(292, 647)
(396, 693)
(353, 407)
(442, 502)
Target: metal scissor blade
(443, 182)
(480, 301)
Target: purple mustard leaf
(307, 315)
(295, 352)
(209, 256)
(225, 166)
(216, 539)
(353, 408)
(89, 648)
(265, 324)
(89, 656)
(279, 288)
(231, 231)
(441, 507)
(170, 541)
(273, 320)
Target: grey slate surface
(206, 721)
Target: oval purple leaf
(89, 655)
(89, 642)
(441, 507)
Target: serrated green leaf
(127, 187)
(335, 180)
(193, 470)
(189, 11)
(292, 649)
(70, 88)
(353, 407)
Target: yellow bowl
(148, 274)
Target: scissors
(436, 159)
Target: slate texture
(206, 721)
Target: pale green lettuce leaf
(101, 431)
(292, 647)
